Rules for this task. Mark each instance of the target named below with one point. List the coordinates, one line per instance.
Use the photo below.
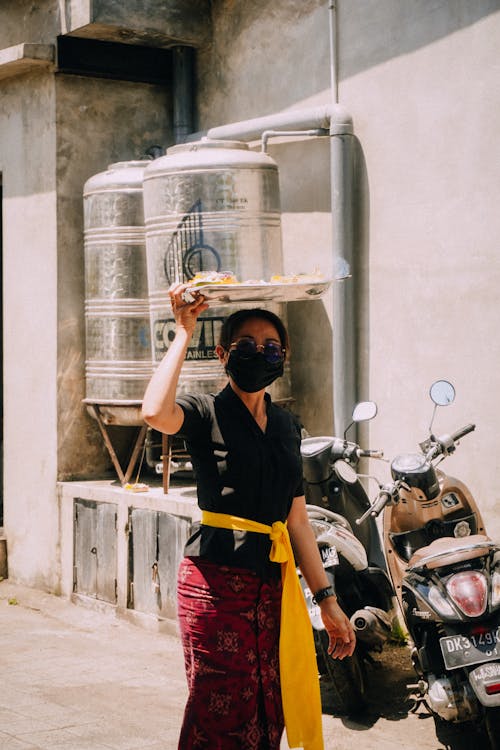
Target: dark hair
(234, 322)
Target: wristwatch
(323, 594)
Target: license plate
(463, 651)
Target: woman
(245, 452)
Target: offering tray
(258, 292)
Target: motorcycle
(353, 559)
(446, 574)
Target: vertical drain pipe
(183, 92)
(344, 321)
(344, 302)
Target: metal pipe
(339, 123)
(334, 79)
(183, 64)
(289, 134)
(332, 118)
(344, 312)
(344, 308)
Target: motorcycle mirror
(442, 393)
(345, 472)
(364, 411)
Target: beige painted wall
(420, 80)
(27, 163)
(433, 163)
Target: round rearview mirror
(442, 392)
(345, 472)
(364, 411)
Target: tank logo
(202, 344)
(187, 253)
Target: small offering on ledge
(136, 487)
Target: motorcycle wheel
(492, 725)
(347, 677)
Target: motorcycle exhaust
(372, 626)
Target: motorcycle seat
(450, 550)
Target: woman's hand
(340, 630)
(185, 313)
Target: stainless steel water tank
(209, 206)
(118, 343)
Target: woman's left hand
(340, 630)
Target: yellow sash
(298, 671)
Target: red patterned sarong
(230, 624)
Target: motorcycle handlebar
(378, 506)
(445, 444)
(370, 453)
(462, 432)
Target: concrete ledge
(181, 499)
(146, 23)
(24, 57)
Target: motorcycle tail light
(493, 689)
(469, 591)
(495, 589)
(440, 602)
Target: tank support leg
(124, 477)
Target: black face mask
(253, 373)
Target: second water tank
(209, 206)
(118, 344)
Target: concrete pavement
(73, 678)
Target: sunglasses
(247, 348)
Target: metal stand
(123, 476)
(166, 451)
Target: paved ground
(72, 678)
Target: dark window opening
(126, 62)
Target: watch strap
(323, 594)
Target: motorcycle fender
(346, 545)
(314, 609)
(484, 680)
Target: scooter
(446, 574)
(353, 559)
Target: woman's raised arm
(159, 409)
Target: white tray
(225, 294)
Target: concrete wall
(34, 21)
(27, 163)
(98, 122)
(419, 79)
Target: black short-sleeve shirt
(243, 471)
